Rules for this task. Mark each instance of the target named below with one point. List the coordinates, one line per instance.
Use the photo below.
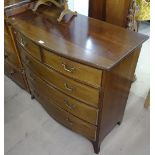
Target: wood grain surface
(83, 39)
(80, 91)
(69, 104)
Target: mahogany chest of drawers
(80, 71)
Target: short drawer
(73, 69)
(28, 45)
(15, 74)
(65, 118)
(69, 104)
(82, 92)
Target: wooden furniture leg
(96, 146)
(147, 101)
(32, 97)
(134, 78)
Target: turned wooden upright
(62, 4)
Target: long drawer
(64, 117)
(73, 69)
(69, 104)
(15, 74)
(82, 92)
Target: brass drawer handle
(23, 43)
(67, 68)
(68, 88)
(69, 121)
(12, 72)
(70, 106)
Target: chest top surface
(82, 39)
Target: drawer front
(68, 86)
(69, 104)
(6, 28)
(10, 54)
(28, 45)
(65, 118)
(72, 69)
(15, 74)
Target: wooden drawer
(69, 104)
(64, 117)
(28, 45)
(72, 69)
(82, 92)
(6, 28)
(10, 54)
(15, 74)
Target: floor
(29, 130)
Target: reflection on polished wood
(86, 40)
(83, 67)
